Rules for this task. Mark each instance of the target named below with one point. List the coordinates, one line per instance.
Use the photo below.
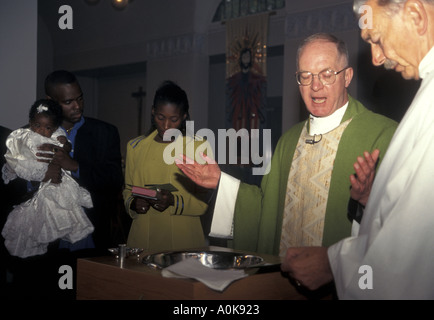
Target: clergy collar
(322, 125)
(427, 63)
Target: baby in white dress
(56, 209)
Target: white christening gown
(54, 212)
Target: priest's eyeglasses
(326, 76)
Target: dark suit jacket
(97, 150)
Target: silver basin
(210, 259)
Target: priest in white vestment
(392, 257)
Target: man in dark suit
(95, 160)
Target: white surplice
(393, 255)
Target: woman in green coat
(172, 221)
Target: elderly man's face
(322, 100)
(392, 43)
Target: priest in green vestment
(303, 199)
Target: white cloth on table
(215, 279)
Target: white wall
(18, 61)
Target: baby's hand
(66, 144)
(62, 139)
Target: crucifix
(139, 96)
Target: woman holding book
(166, 216)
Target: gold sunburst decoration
(247, 41)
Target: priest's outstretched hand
(205, 175)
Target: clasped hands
(164, 200)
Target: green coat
(179, 226)
(259, 210)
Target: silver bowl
(210, 259)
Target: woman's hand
(140, 205)
(165, 200)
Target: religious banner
(246, 53)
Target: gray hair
(340, 45)
(392, 4)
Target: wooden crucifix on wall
(139, 96)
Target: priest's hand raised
(205, 175)
(362, 180)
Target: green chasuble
(259, 210)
